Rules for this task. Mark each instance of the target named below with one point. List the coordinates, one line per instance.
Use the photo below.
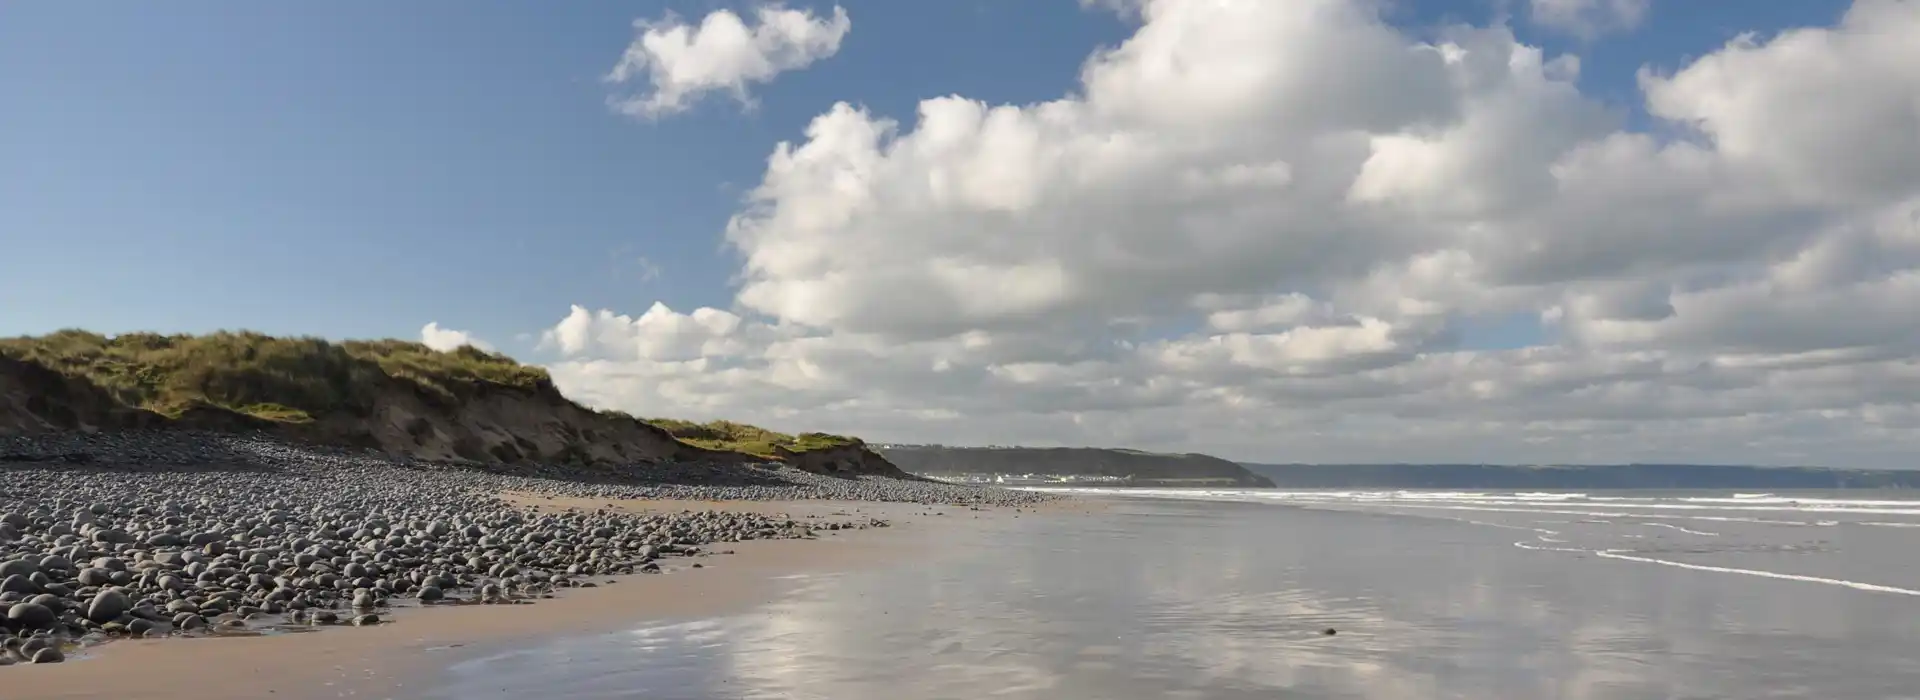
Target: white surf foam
(1611, 506)
(1672, 526)
(1874, 587)
(1618, 554)
(1644, 516)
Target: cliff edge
(400, 398)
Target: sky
(1314, 230)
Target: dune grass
(288, 380)
(740, 437)
(298, 380)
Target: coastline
(401, 658)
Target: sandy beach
(386, 660)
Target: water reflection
(1230, 601)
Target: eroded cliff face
(499, 424)
(481, 423)
(34, 399)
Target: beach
(301, 570)
(1231, 595)
(392, 660)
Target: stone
(108, 605)
(95, 576)
(51, 601)
(19, 584)
(31, 616)
(55, 562)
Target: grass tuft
(300, 380)
(751, 439)
(290, 380)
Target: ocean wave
(1758, 503)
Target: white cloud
(433, 336)
(679, 63)
(1589, 18)
(1124, 8)
(1216, 243)
(1753, 100)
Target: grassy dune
(279, 379)
(293, 380)
(740, 437)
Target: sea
(1230, 594)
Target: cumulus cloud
(433, 336)
(678, 63)
(1589, 18)
(1213, 242)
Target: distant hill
(1145, 468)
(1577, 477)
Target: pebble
(31, 616)
(171, 533)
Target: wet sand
(390, 660)
(1156, 598)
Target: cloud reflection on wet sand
(1155, 600)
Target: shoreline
(400, 658)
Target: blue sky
(356, 168)
(353, 169)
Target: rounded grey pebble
(49, 655)
(55, 562)
(31, 616)
(108, 605)
(18, 583)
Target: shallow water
(1226, 594)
